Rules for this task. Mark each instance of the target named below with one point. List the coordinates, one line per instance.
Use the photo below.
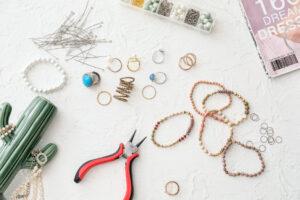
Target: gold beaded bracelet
(201, 133)
(220, 86)
(183, 137)
(217, 114)
(221, 116)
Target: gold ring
(149, 87)
(104, 93)
(169, 191)
(134, 60)
(187, 61)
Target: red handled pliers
(127, 151)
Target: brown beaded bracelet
(221, 116)
(201, 133)
(183, 137)
(214, 114)
(257, 151)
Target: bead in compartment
(137, 3)
(179, 12)
(152, 5)
(165, 8)
(192, 17)
(205, 21)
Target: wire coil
(124, 89)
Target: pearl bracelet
(44, 90)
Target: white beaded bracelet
(45, 90)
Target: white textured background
(83, 130)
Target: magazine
(275, 28)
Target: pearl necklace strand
(33, 187)
(44, 90)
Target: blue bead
(87, 80)
(152, 77)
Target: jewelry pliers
(129, 151)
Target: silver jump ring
(270, 131)
(263, 131)
(271, 140)
(264, 125)
(111, 61)
(262, 148)
(254, 117)
(158, 56)
(278, 139)
(263, 139)
(41, 159)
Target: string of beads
(181, 138)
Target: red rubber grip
(90, 164)
(128, 171)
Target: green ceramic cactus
(16, 148)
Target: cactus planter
(16, 148)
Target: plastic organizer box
(189, 16)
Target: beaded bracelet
(183, 137)
(219, 85)
(221, 116)
(201, 133)
(257, 151)
(58, 86)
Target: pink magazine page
(275, 27)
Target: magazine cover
(275, 27)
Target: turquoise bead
(152, 77)
(87, 80)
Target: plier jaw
(131, 148)
(129, 151)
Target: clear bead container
(177, 12)
(206, 21)
(151, 5)
(138, 3)
(165, 8)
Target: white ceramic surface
(83, 130)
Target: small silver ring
(278, 139)
(263, 131)
(271, 140)
(263, 139)
(264, 125)
(262, 148)
(254, 117)
(111, 60)
(270, 131)
(158, 56)
(41, 158)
